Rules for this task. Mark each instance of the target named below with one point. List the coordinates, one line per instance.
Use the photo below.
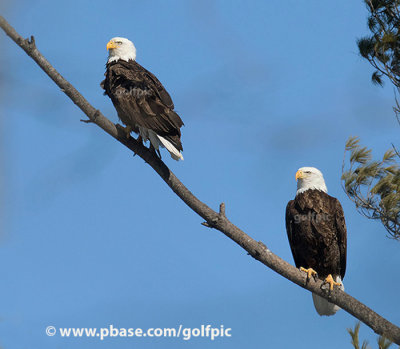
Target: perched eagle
(141, 101)
(317, 233)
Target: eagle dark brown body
(141, 101)
(317, 234)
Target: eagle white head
(120, 48)
(310, 178)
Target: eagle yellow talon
(310, 272)
(331, 282)
(128, 130)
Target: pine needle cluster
(382, 47)
(383, 343)
(374, 186)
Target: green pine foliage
(374, 186)
(382, 48)
(354, 334)
(383, 343)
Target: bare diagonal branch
(217, 220)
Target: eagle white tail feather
(157, 140)
(322, 306)
(175, 153)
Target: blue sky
(91, 236)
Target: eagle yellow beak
(299, 174)
(111, 44)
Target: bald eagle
(317, 234)
(141, 101)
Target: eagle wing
(289, 218)
(141, 100)
(341, 235)
(159, 88)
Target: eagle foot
(329, 280)
(310, 272)
(155, 151)
(128, 130)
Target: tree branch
(212, 219)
